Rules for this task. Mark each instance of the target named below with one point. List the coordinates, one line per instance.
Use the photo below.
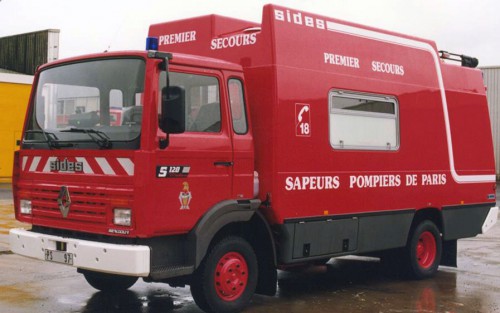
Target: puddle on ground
(18, 296)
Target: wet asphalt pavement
(343, 285)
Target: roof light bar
(151, 43)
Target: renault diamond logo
(64, 201)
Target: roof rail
(465, 60)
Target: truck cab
(116, 165)
(95, 124)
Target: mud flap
(268, 278)
(449, 255)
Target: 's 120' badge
(172, 171)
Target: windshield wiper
(50, 138)
(97, 136)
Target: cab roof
(177, 58)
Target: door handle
(223, 163)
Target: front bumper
(130, 260)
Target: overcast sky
(470, 27)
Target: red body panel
(445, 154)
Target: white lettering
(298, 19)
(293, 183)
(279, 15)
(233, 41)
(374, 181)
(309, 21)
(388, 68)
(342, 60)
(312, 183)
(433, 179)
(411, 180)
(320, 24)
(177, 38)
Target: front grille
(88, 204)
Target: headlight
(122, 217)
(25, 206)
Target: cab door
(244, 185)
(195, 171)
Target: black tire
(423, 251)
(108, 282)
(231, 264)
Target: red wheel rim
(231, 276)
(426, 249)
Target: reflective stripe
(105, 167)
(34, 164)
(46, 168)
(127, 165)
(25, 159)
(86, 167)
(91, 165)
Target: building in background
(25, 52)
(14, 94)
(20, 55)
(492, 81)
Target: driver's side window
(203, 112)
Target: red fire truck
(247, 148)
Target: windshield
(93, 104)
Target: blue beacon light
(152, 43)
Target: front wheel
(108, 282)
(424, 250)
(226, 279)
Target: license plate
(59, 257)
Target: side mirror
(173, 112)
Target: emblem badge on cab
(64, 201)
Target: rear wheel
(423, 251)
(108, 282)
(226, 279)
